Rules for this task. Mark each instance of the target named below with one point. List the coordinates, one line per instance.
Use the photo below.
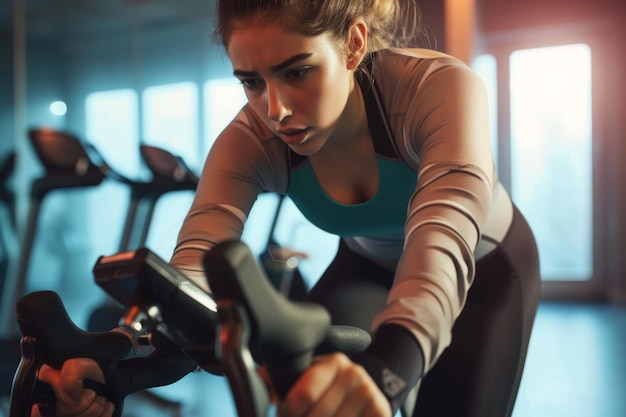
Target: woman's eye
(250, 83)
(297, 73)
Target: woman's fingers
(310, 387)
(73, 400)
(335, 387)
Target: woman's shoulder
(419, 53)
(416, 61)
(398, 71)
(247, 143)
(249, 122)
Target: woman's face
(298, 85)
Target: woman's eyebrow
(274, 68)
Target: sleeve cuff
(395, 362)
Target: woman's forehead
(271, 44)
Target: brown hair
(390, 22)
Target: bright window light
(111, 127)
(170, 120)
(551, 165)
(111, 118)
(224, 97)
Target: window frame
(605, 170)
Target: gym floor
(576, 364)
(576, 367)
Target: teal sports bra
(382, 216)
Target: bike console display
(159, 299)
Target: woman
(389, 149)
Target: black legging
(478, 375)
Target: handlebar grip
(350, 340)
(255, 317)
(42, 315)
(288, 332)
(49, 336)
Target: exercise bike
(242, 323)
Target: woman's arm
(441, 120)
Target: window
(224, 97)
(170, 120)
(551, 165)
(112, 128)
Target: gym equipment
(164, 310)
(71, 163)
(8, 237)
(7, 196)
(170, 173)
(67, 166)
(9, 347)
(256, 321)
(128, 277)
(285, 276)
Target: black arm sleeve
(395, 362)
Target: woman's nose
(277, 107)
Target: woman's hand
(335, 386)
(73, 400)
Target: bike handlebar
(286, 333)
(49, 336)
(253, 319)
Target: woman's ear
(357, 43)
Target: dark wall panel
(508, 15)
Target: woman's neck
(352, 128)
(346, 167)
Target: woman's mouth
(293, 136)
